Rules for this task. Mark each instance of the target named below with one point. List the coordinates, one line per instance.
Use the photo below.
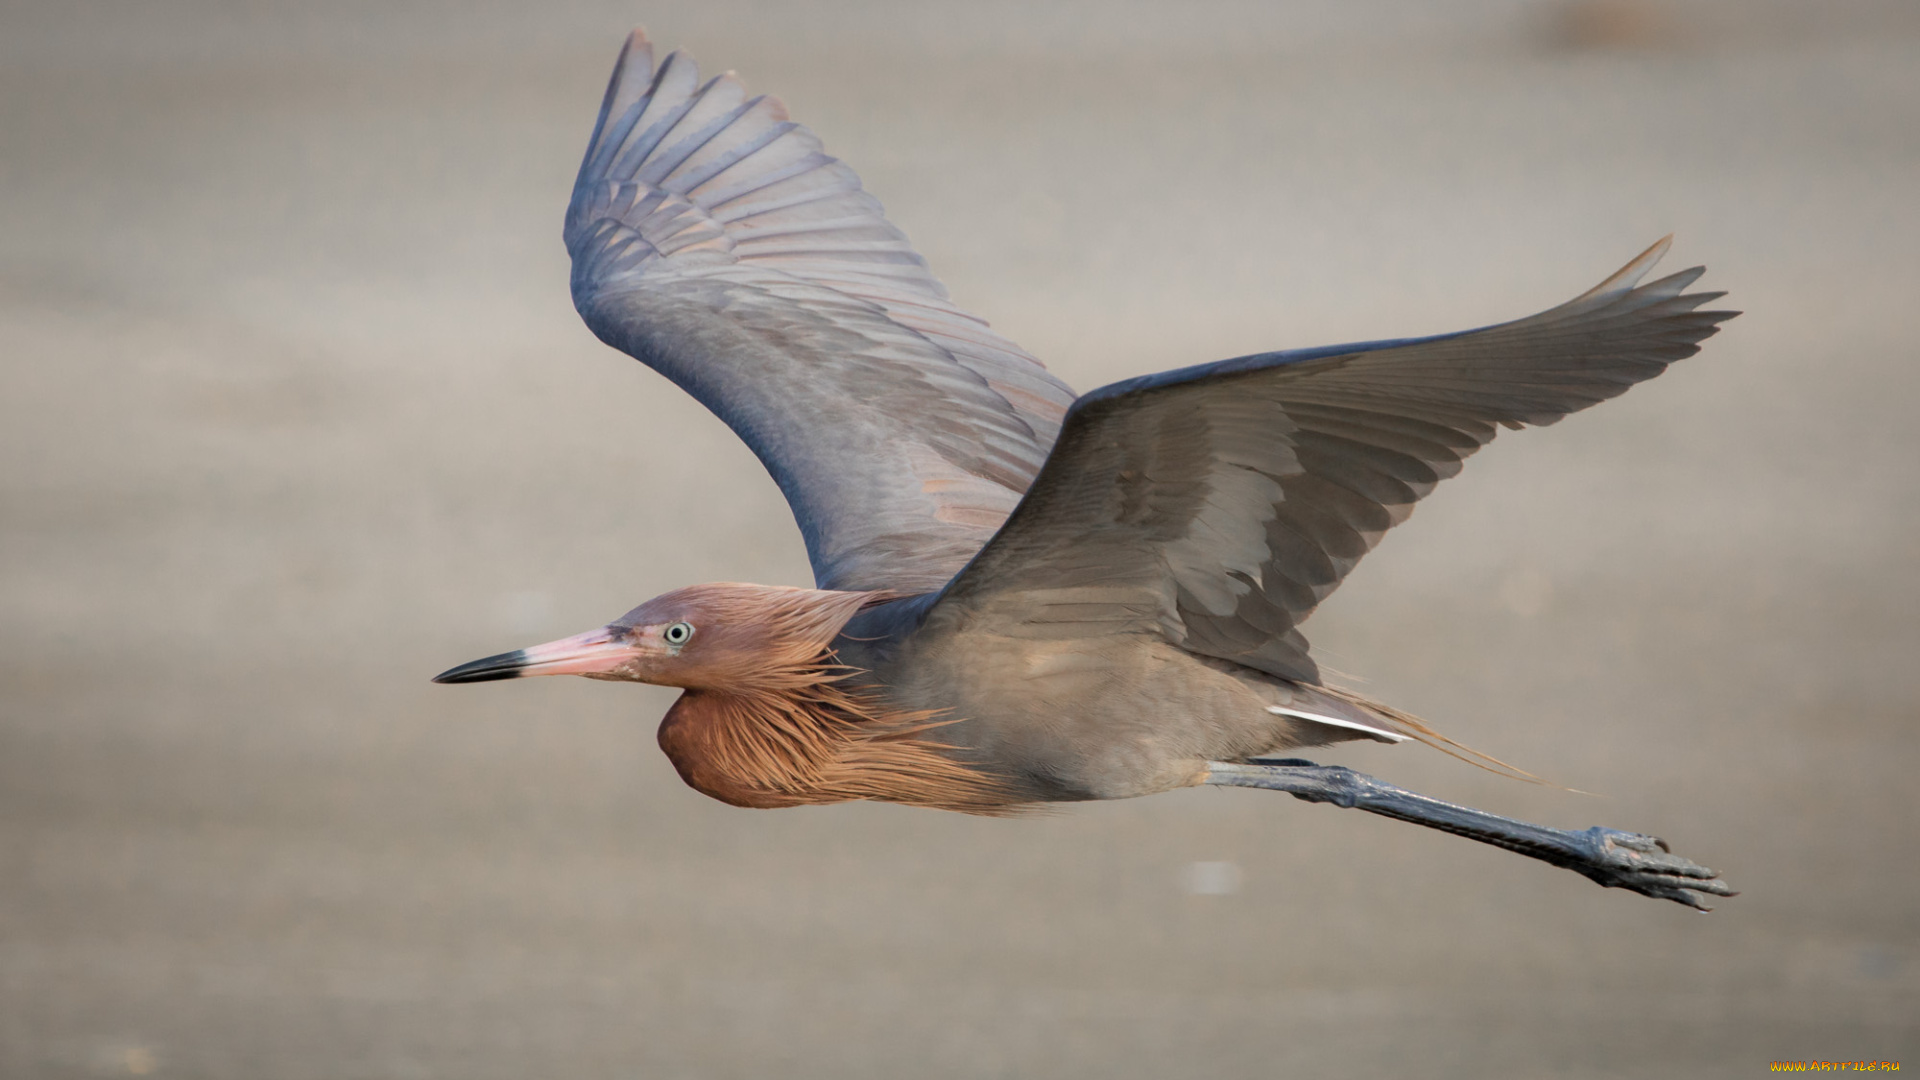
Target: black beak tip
(487, 669)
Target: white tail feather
(1369, 732)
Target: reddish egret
(1026, 596)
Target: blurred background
(295, 412)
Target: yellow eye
(678, 634)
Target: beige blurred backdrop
(295, 412)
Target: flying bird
(1026, 596)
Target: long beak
(591, 653)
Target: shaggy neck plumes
(774, 723)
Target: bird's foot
(1645, 864)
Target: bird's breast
(823, 744)
(700, 735)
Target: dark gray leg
(1618, 860)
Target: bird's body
(1107, 717)
(1026, 596)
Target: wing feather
(1238, 495)
(715, 240)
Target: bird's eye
(678, 634)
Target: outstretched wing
(713, 241)
(1218, 505)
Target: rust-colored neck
(820, 745)
(787, 731)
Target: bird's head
(720, 636)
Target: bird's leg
(1618, 860)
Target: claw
(1624, 860)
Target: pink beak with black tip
(595, 652)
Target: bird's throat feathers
(783, 727)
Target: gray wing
(715, 242)
(1218, 505)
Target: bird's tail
(1415, 728)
